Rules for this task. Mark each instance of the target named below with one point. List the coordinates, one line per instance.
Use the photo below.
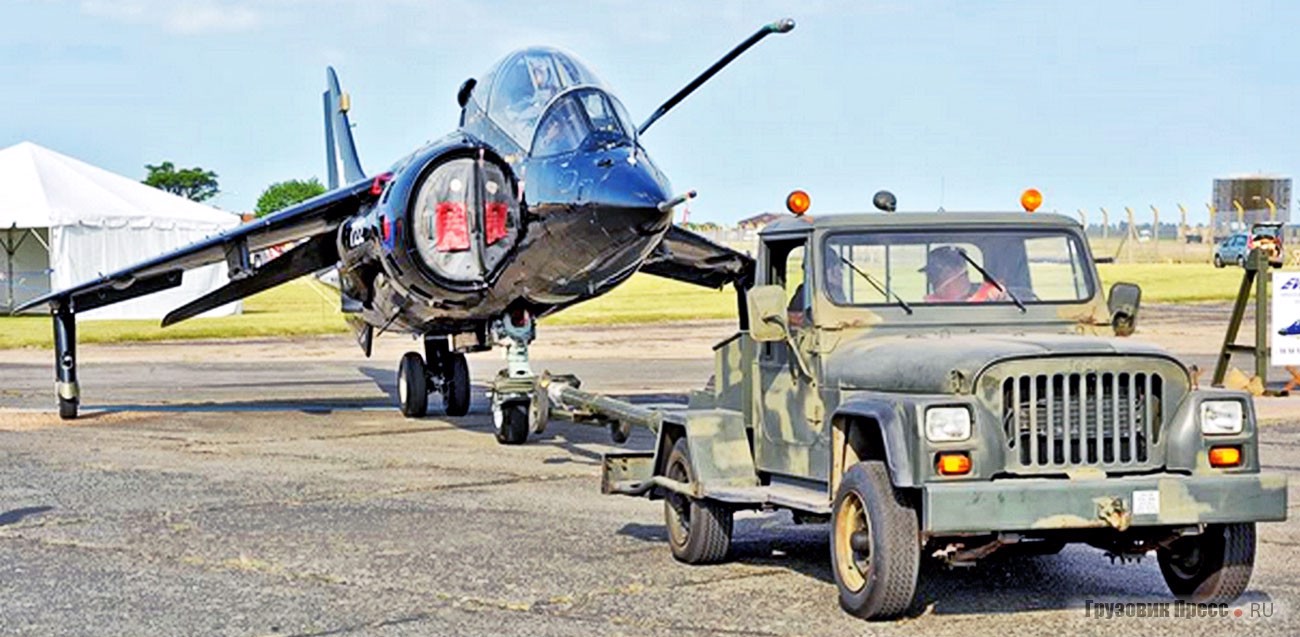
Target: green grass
(305, 307)
(1175, 282)
(298, 308)
(650, 299)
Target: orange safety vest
(986, 292)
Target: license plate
(1146, 502)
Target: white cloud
(181, 16)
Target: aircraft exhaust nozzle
(784, 25)
(669, 204)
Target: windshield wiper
(875, 284)
(989, 277)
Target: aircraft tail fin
(340, 149)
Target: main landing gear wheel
(1213, 567)
(455, 386)
(412, 386)
(699, 531)
(875, 554)
(511, 421)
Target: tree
(281, 195)
(194, 184)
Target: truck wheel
(1213, 567)
(511, 421)
(699, 531)
(875, 550)
(412, 386)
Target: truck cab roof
(866, 220)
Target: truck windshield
(938, 268)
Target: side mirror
(1123, 304)
(765, 307)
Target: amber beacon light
(1031, 199)
(798, 202)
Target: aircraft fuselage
(582, 222)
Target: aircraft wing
(317, 219)
(689, 257)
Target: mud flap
(719, 449)
(625, 472)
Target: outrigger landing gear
(65, 362)
(439, 370)
(518, 403)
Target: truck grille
(1085, 418)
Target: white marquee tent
(64, 222)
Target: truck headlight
(947, 424)
(1221, 417)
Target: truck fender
(718, 444)
(884, 435)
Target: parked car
(1237, 247)
(1232, 250)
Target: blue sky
(959, 104)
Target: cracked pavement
(268, 489)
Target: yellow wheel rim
(851, 567)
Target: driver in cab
(949, 280)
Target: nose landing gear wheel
(412, 386)
(511, 421)
(455, 386)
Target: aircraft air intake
(464, 218)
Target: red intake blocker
(496, 214)
(452, 227)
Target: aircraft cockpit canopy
(582, 118)
(518, 90)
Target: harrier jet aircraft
(543, 197)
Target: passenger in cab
(799, 310)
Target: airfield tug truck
(937, 386)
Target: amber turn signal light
(953, 464)
(1225, 456)
(798, 202)
(1031, 199)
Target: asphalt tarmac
(272, 488)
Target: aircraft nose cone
(633, 186)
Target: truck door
(788, 440)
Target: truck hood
(944, 364)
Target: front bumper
(1026, 504)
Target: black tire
(699, 531)
(67, 409)
(1213, 567)
(455, 394)
(880, 581)
(539, 412)
(412, 386)
(1218, 261)
(511, 421)
(1241, 261)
